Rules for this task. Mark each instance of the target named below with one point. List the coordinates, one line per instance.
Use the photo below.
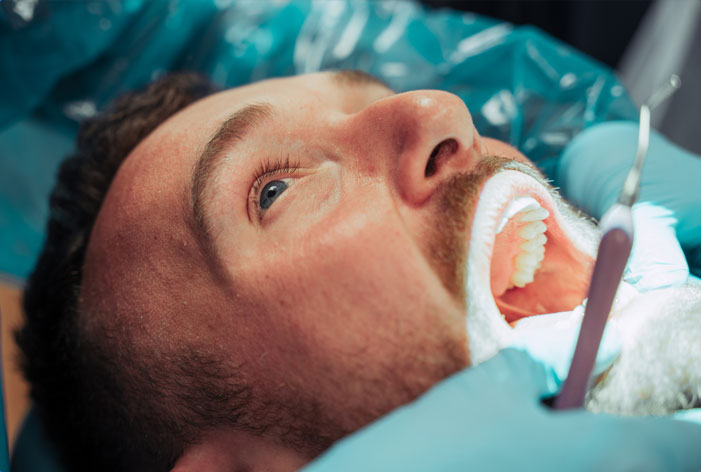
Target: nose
(419, 139)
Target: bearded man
(238, 280)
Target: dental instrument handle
(631, 186)
(614, 249)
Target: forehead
(185, 134)
(332, 89)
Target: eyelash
(267, 168)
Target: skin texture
(344, 301)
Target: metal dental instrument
(614, 250)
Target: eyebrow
(232, 131)
(229, 133)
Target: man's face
(315, 232)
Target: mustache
(449, 237)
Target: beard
(449, 238)
(308, 424)
(659, 368)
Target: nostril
(431, 164)
(440, 153)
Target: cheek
(344, 303)
(350, 284)
(334, 267)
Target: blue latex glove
(490, 417)
(667, 217)
(551, 340)
(692, 416)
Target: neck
(227, 450)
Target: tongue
(512, 313)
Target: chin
(530, 255)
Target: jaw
(498, 292)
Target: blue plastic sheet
(63, 61)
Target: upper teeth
(532, 253)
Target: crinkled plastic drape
(62, 61)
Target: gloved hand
(551, 340)
(591, 175)
(490, 417)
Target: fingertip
(535, 379)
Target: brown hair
(73, 382)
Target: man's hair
(77, 387)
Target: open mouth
(532, 249)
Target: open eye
(264, 192)
(270, 192)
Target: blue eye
(270, 192)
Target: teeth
(537, 214)
(526, 260)
(533, 233)
(539, 254)
(520, 205)
(535, 243)
(521, 279)
(531, 230)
